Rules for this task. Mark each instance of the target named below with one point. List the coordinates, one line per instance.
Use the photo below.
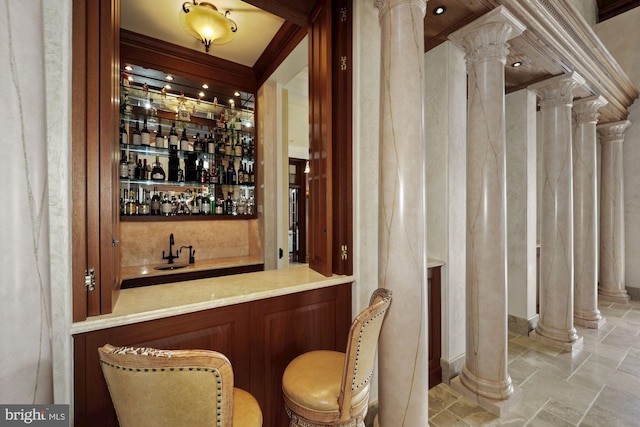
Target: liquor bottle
(241, 205)
(205, 204)
(203, 174)
(123, 202)
(160, 138)
(227, 147)
(198, 144)
(137, 137)
(124, 136)
(173, 137)
(174, 165)
(145, 207)
(124, 169)
(138, 174)
(219, 210)
(240, 174)
(131, 168)
(238, 148)
(245, 148)
(145, 136)
(221, 145)
(184, 141)
(246, 174)
(131, 205)
(157, 173)
(147, 170)
(231, 173)
(166, 207)
(196, 203)
(228, 205)
(155, 202)
(213, 173)
(211, 144)
(191, 169)
(222, 174)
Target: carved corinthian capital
(558, 91)
(586, 109)
(613, 132)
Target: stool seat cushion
(246, 410)
(312, 381)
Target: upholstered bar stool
(330, 388)
(172, 388)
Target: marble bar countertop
(171, 299)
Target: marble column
(484, 375)
(402, 262)
(612, 243)
(585, 226)
(25, 290)
(555, 326)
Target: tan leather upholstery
(151, 387)
(329, 388)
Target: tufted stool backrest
(361, 349)
(151, 387)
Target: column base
(522, 326)
(614, 295)
(590, 323)
(451, 368)
(496, 407)
(568, 346)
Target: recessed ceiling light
(201, 94)
(205, 86)
(167, 87)
(128, 67)
(236, 93)
(130, 78)
(516, 64)
(169, 77)
(439, 10)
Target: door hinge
(343, 253)
(90, 279)
(343, 63)
(114, 242)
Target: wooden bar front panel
(260, 338)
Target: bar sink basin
(170, 267)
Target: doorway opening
(298, 210)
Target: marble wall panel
(26, 320)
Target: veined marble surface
(172, 299)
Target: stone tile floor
(595, 386)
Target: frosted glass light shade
(205, 23)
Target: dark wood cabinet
(435, 324)
(260, 338)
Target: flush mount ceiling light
(439, 10)
(205, 23)
(516, 64)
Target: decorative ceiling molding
(556, 30)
